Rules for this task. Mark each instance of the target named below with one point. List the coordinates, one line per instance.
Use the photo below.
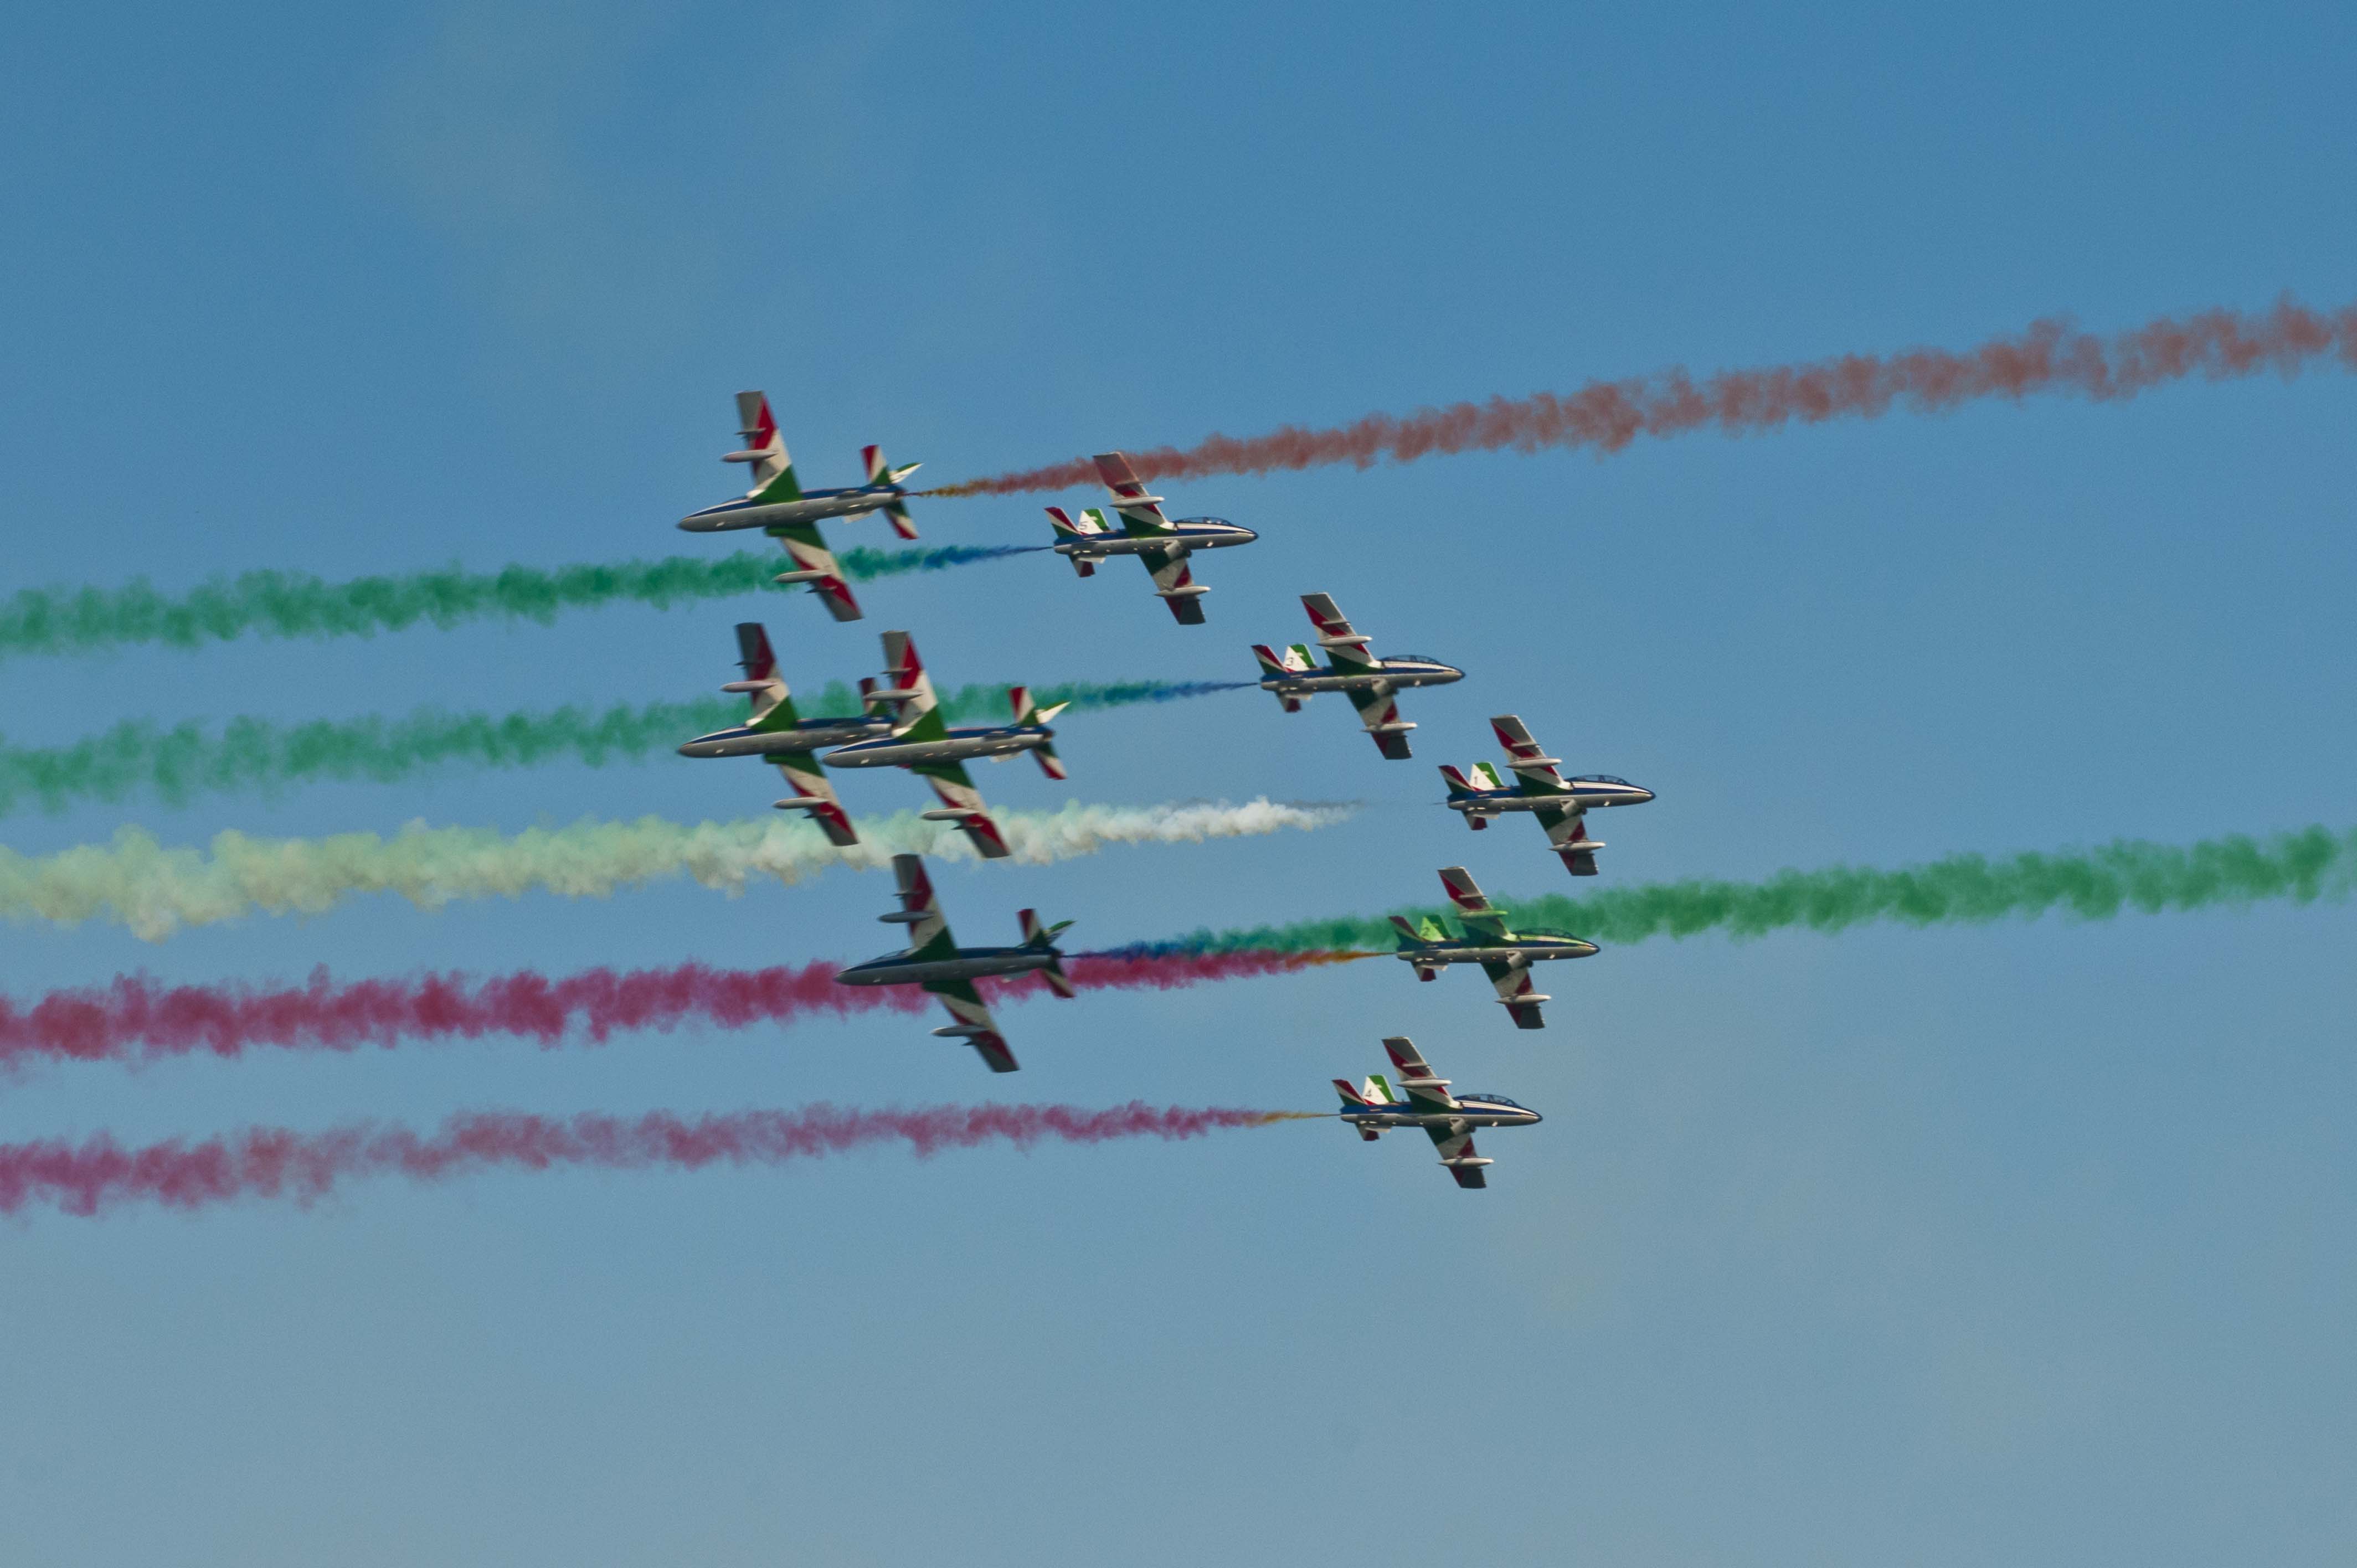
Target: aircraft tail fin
(1071, 530)
(1027, 713)
(773, 470)
(1043, 939)
(879, 472)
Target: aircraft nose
(1643, 795)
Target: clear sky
(2028, 1243)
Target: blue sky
(2028, 1243)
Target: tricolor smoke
(1605, 416)
(293, 604)
(138, 1020)
(182, 761)
(270, 1162)
(1965, 890)
(155, 891)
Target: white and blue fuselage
(811, 506)
(956, 745)
(1472, 1111)
(1187, 534)
(1584, 793)
(809, 735)
(1395, 673)
(1527, 948)
(965, 964)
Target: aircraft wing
(975, 1024)
(1175, 581)
(1514, 984)
(1566, 831)
(1141, 513)
(1342, 644)
(1480, 917)
(1533, 768)
(1456, 1147)
(1427, 1094)
(956, 789)
(920, 910)
(807, 779)
(1378, 712)
(811, 554)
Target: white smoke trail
(156, 891)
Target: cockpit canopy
(1491, 1099)
(1217, 521)
(1600, 779)
(1411, 659)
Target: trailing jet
(778, 505)
(933, 960)
(1377, 1108)
(1560, 804)
(1162, 545)
(775, 732)
(1504, 956)
(921, 741)
(1370, 683)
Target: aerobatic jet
(1376, 1107)
(1560, 804)
(774, 731)
(1162, 545)
(921, 741)
(933, 960)
(1505, 956)
(1373, 685)
(778, 505)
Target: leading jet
(1162, 545)
(773, 731)
(1373, 685)
(921, 741)
(933, 960)
(1560, 804)
(778, 505)
(1377, 1108)
(1505, 956)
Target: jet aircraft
(1505, 956)
(1450, 1120)
(778, 505)
(1162, 545)
(922, 742)
(1560, 804)
(774, 731)
(933, 960)
(1370, 683)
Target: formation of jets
(901, 725)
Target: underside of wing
(810, 792)
(1457, 1153)
(814, 564)
(1175, 584)
(1566, 833)
(962, 803)
(1514, 989)
(975, 1025)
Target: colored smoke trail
(275, 1162)
(1605, 416)
(154, 890)
(1964, 889)
(294, 604)
(182, 761)
(138, 1020)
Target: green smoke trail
(136, 882)
(179, 763)
(1963, 889)
(294, 604)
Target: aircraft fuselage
(967, 963)
(1522, 949)
(1395, 674)
(957, 746)
(1576, 795)
(1470, 1112)
(811, 506)
(809, 735)
(1186, 536)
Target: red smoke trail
(2218, 345)
(135, 1019)
(274, 1162)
